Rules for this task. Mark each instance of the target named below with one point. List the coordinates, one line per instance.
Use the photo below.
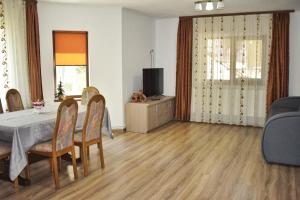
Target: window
(71, 61)
(218, 59)
(253, 59)
(225, 59)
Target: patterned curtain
(231, 55)
(14, 63)
(3, 57)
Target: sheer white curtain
(230, 67)
(3, 57)
(15, 69)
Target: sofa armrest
(288, 102)
(281, 138)
(279, 117)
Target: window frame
(77, 96)
(233, 56)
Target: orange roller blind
(70, 48)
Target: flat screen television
(153, 81)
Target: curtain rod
(241, 13)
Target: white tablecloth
(26, 128)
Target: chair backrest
(14, 100)
(87, 94)
(63, 136)
(1, 107)
(93, 118)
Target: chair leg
(74, 163)
(27, 168)
(27, 172)
(85, 160)
(16, 184)
(101, 153)
(81, 153)
(55, 172)
(59, 163)
(88, 152)
(51, 165)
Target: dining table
(25, 128)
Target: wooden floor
(178, 161)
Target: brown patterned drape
(33, 48)
(184, 68)
(278, 80)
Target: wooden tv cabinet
(143, 117)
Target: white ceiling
(173, 8)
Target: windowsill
(76, 97)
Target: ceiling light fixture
(198, 6)
(209, 5)
(220, 5)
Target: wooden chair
(14, 100)
(88, 93)
(63, 138)
(91, 133)
(5, 151)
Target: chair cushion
(4, 148)
(78, 137)
(43, 147)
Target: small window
(71, 61)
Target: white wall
(120, 41)
(165, 51)
(105, 48)
(138, 40)
(294, 89)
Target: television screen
(153, 81)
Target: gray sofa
(281, 134)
